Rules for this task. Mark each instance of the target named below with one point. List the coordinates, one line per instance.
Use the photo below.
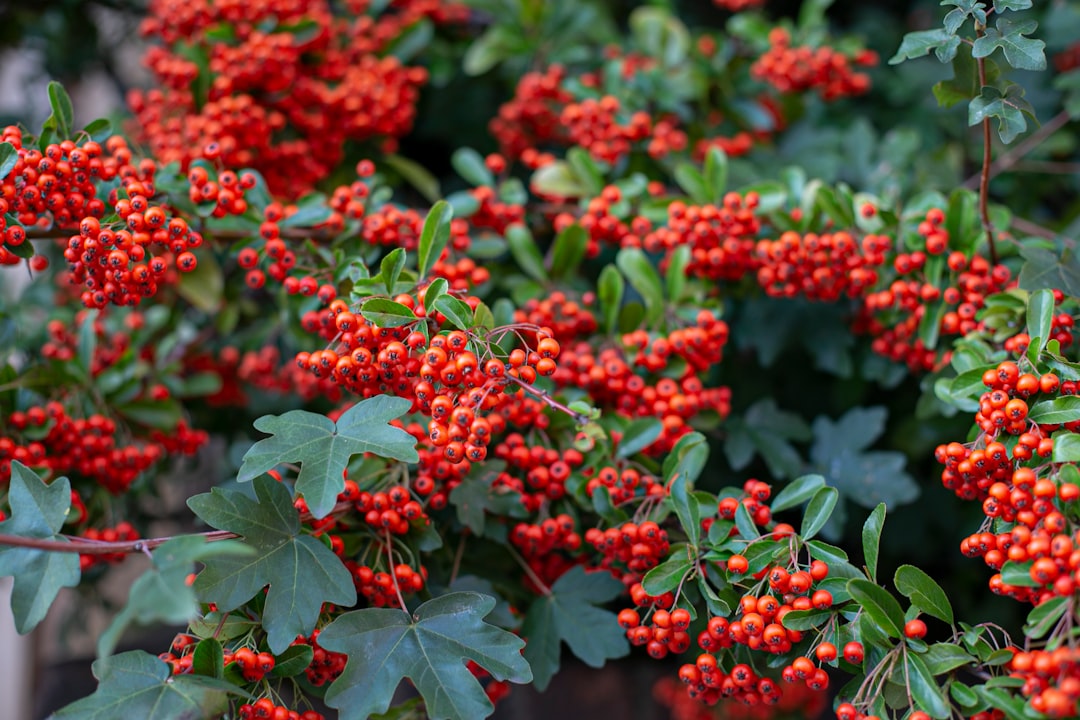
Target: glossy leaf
(667, 575)
(642, 276)
(797, 492)
(526, 255)
(301, 571)
(879, 605)
(818, 511)
(1040, 316)
(610, 289)
(9, 158)
(386, 313)
(433, 237)
(457, 311)
(568, 251)
(639, 435)
(37, 511)
(391, 268)
(924, 689)
(1058, 411)
(924, 592)
(871, 539)
(430, 647)
(571, 614)
(324, 448)
(1044, 616)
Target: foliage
(713, 287)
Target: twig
(551, 402)
(458, 557)
(529, 571)
(1012, 157)
(984, 175)
(393, 575)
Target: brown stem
(529, 571)
(1015, 155)
(984, 175)
(551, 402)
(393, 575)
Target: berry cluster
(823, 69)
(325, 665)
(265, 708)
(635, 547)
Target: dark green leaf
(496, 44)
(391, 268)
(692, 182)
(946, 656)
(797, 492)
(387, 313)
(1043, 617)
(476, 496)
(37, 511)
(324, 448)
(639, 435)
(1021, 52)
(818, 511)
(301, 571)
(880, 606)
(9, 157)
(992, 104)
(964, 695)
(386, 645)
(295, 660)
(806, 619)
(162, 594)
(924, 689)
(610, 289)
(208, 658)
(871, 539)
(586, 169)
(667, 575)
(1040, 316)
(138, 685)
(716, 172)
(643, 277)
(568, 251)
(158, 414)
(745, 524)
(311, 211)
(62, 110)
(920, 43)
(1058, 411)
(1066, 447)
(1017, 574)
(924, 592)
(434, 236)
(686, 508)
(1046, 269)
(457, 311)
(570, 614)
(470, 165)
(525, 253)
(416, 175)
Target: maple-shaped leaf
(37, 511)
(138, 685)
(570, 614)
(323, 448)
(476, 496)
(301, 571)
(430, 648)
(161, 594)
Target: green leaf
(964, 695)
(387, 313)
(568, 251)
(311, 211)
(639, 435)
(203, 287)
(946, 656)
(924, 689)
(716, 172)
(9, 158)
(920, 43)
(558, 180)
(610, 289)
(1066, 447)
(992, 104)
(806, 619)
(879, 605)
(1043, 617)
(391, 268)
(818, 511)
(1040, 316)
(667, 575)
(766, 429)
(660, 35)
(385, 645)
(99, 131)
(208, 657)
(1021, 52)
(797, 492)
(62, 110)
(470, 165)
(496, 44)
(416, 175)
(301, 570)
(924, 593)
(745, 524)
(295, 660)
(434, 236)
(457, 311)
(161, 594)
(675, 275)
(686, 508)
(1046, 269)
(138, 685)
(643, 277)
(1060, 410)
(586, 169)
(525, 253)
(37, 511)
(475, 496)
(158, 414)
(570, 614)
(866, 478)
(871, 539)
(324, 447)
(692, 182)
(1017, 574)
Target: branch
(551, 402)
(1014, 156)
